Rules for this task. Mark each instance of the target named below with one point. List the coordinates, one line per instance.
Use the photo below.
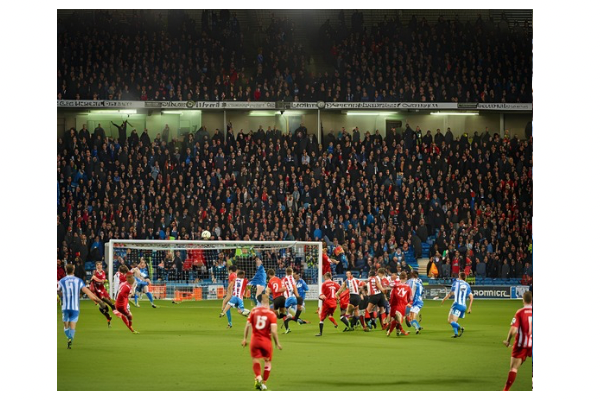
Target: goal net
(181, 270)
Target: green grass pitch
(188, 347)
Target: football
(206, 235)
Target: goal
(181, 270)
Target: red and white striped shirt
(523, 321)
(373, 289)
(239, 287)
(353, 285)
(289, 284)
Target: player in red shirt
(522, 328)
(328, 290)
(275, 288)
(123, 302)
(399, 299)
(264, 325)
(121, 278)
(327, 261)
(97, 287)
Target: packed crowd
(375, 196)
(135, 60)
(450, 61)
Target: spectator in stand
(60, 271)
(347, 203)
(505, 270)
(280, 64)
(79, 268)
(480, 268)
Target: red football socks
(267, 373)
(256, 368)
(511, 378)
(127, 322)
(393, 325)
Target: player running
(328, 290)
(301, 286)
(264, 325)
(416, 287)
(302, 290)
(275, 289)
(122, 302)
(461, 290)
(238, 287)
(293, 301)
(69, 288)
(97, 287)
(521, 328)
(399, 299)
(142, 282)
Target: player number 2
(261, 322)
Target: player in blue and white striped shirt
(416, 287)
(461, 290)
(69, 287)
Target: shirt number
(261, 322)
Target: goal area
(182, 270)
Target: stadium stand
(148, 56)
(394, 200)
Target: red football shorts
(261, 349)
(101, 292)
(326, 310)
(401, 308)
(522, 353)
(344, 305)
(124, 310)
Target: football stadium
(294, 200)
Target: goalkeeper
(259, 280)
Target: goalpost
(198, 269)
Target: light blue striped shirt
(70, 286)
(416, 286)
(461, 290)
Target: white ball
(206, 235)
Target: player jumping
(238, 287)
